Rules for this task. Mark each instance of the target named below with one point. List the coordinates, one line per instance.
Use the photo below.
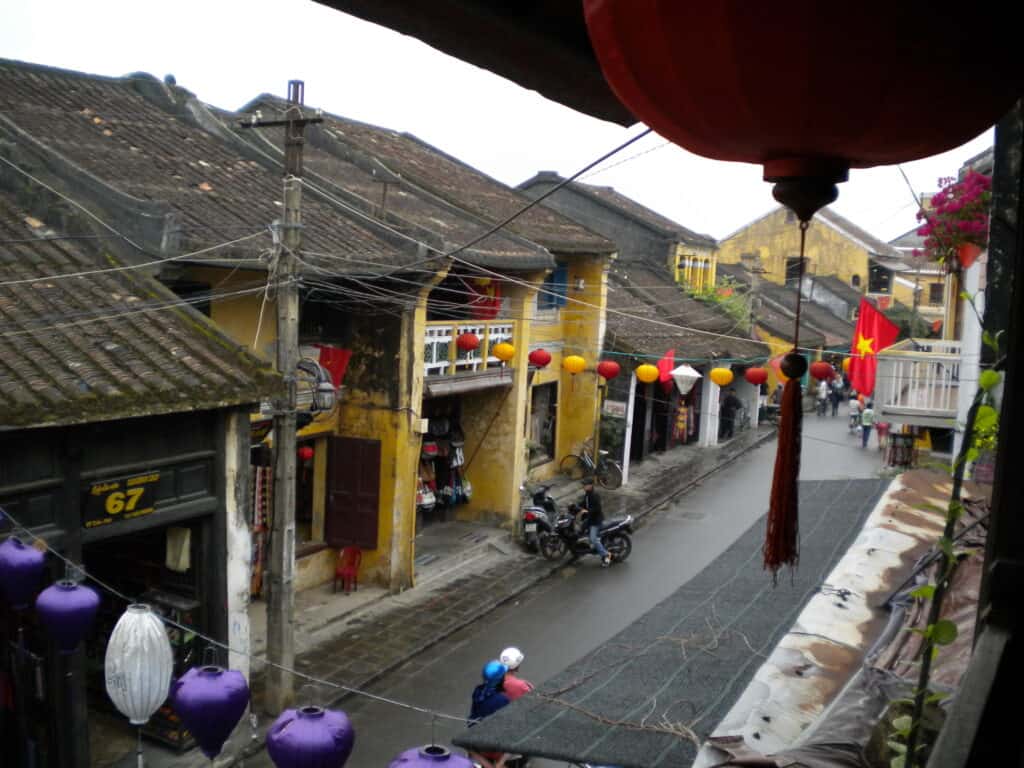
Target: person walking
(836, 394)
(867, 423)
(727, 414)
(591, 502)
(822, 397)
(854, 405)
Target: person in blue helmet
(488, 698)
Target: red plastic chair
(347, 569)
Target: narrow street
(575, 611)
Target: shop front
(148, 507)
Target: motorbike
(614, 535)
(537, 515)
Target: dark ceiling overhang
(540, 44)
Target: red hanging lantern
(822, 370)
(305, 453)
(540, 358)
(777, 84)
(608, 369)
(467, 342)
(756, 376)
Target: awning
(650, 695)
(467, 382)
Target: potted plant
(955, 227)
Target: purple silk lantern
(428, 757)
(21, 568)
(67, 611)
(211, 701)
(310, 737)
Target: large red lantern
(467, 342)
(807, 89)
(305, 453)
(822, 370)
(608, 369)
(540, 358)
(756, 376)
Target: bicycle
(607, 472)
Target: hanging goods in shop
(721, 376)
(310, 737)
(503, 351)
(467, 342)
(428, 757)
(540, 358)
(210, 700)
(138, 664)
(21, 570)
(67, 611)
(756, 376)
(608, 369)
(821, 370)
(647, 373)
(685, 377)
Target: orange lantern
(756, 376)
(467, 342)
(721, 376)
(647, 373)
(821, 370)
(540, 358)
(574, 364)
(503, 351)
(608, 369)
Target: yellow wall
(828, 252)
(237, 315)
(695, 268)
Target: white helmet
(512, 658)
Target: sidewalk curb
(257, 745)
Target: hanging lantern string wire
(799, 285)
(19, 528)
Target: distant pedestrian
(822, 397)
(836, 394)
(854, 405)
(882, 428)
(867, 423)
(727, 414)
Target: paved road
(574, 612)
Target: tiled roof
(737, 273)
(644, 295)
(628, 206)
(835, 286)
(138, 137)
(814, 316)
(365, 179)
(871, 243)
(103, 346)
(460, 184)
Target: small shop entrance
(161, 566)
(441, 484)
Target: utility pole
(281, 566)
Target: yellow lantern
(503, 351)
(647, 373)
(846, 365)
(721, 376)
(574, 364)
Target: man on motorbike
(488, 698)
(514, 686)
(591, 505)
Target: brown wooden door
(353, 493)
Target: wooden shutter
(353, 493)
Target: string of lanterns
(209, 699)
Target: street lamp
(322, 390)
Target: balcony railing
(918, 382)
(442, 357)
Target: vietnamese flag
(874, 332)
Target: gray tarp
(653, 692)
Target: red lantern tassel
(781, 545)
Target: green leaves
(943, 632)
(901, 725)
(986, 418)
(924, 592)
(989, 379)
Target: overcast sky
(228, 51)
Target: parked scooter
(614, 534)
(537, 516)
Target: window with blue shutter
(553, 291)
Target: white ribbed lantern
(139, 664)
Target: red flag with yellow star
(874, 333)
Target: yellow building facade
(695, 268)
